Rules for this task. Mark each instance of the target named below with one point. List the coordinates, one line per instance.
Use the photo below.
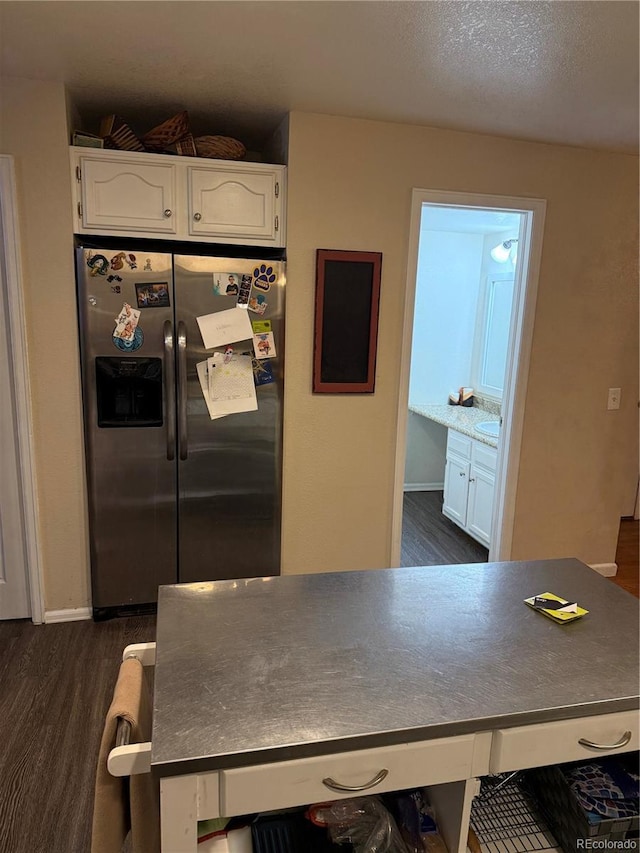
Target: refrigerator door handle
(170, 389)
(182, 390)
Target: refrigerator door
(229, 482)
(129, 411)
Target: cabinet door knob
(472, 479)
(197, 217)
(167, 213)
(337, 786)
(461, 474)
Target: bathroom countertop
(461, 418)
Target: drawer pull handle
(336, 786)
(624, 740)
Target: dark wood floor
(430, 539)
(628, 557)
(57, 680)
(56, 685)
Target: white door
(20, 582)
(14, 596)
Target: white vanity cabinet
(469, 485)
(133, 194)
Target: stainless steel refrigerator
(175, 496)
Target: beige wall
(350, 185)
(33, 129)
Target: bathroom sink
(489, 428)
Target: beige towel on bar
(123, 803)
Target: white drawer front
(293, 783)
(554, 743)
(485, 456)
(458, 443)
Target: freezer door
(129, 412)
(229, 482)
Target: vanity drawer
(299, 782)
(484, 456)
(459, 444)
(557, 742)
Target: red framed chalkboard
(346, 321)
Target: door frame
(10, 241)
(518, 356)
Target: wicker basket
(117, 134)
(186, 146)
(220, 147)
(165, 134)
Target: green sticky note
(261, 327)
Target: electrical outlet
(613, 400)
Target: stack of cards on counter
(556, 608)
(227, 384)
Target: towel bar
(126, 758)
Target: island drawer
(556, 742)
(299, 782)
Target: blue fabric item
(605, 788)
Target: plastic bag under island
(364, 822)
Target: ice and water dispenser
(129, 392)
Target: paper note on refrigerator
(203, 377)
(231, 385)
(224, 327)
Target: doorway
(470, 300)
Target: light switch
(613, 401)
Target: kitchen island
(274, 692)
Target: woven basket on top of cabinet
(167, 133)
(220, 147)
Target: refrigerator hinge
(277, 223)
(277, 189)
(80, 209)
(78, 173)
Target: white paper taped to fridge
(203, 377)
(224, 327)
(231, 385)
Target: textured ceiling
(564, 72)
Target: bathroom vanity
(283, 691)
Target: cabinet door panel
(128, 196)
(237, 204)
(480, 506)
(456, 487)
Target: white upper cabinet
(235, 202)
(192, 199)
(126, 195)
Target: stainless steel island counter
(266, 688)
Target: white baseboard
(71, 614)
(607, 570)
(423, 487)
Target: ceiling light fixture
(501, 252)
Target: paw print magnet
(263, 277)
